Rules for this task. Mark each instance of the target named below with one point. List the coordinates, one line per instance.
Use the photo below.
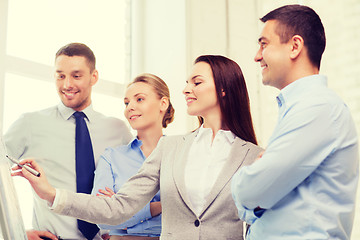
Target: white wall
(159, 47)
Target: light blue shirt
(116, 165)
(307, 178)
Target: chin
(191, 113)
(265, 82)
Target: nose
(258, 56)
(130, 106)
(187, 89)
(68, 83)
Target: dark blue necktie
(85, 167)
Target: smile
(133, 117)
(69, 95)
(189, 100)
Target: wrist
(51, 196)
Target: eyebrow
(196, 76)
(139, 94)
(261, 39)
(126, 98)
(77, 71)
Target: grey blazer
(164, 170)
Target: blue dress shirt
(116, 165)
(306, 180)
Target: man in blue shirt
(304, 185)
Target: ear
(94, 77)
(164, 104)
(297, 45)
(223, 92)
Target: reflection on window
(38, 28)
(35, 31)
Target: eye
(60, 76)
(126, 103)
(77, 76)
(197, 83)
(140, 99)
(263, 44)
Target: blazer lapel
(179, 166)
(235, 160)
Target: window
(32, 32)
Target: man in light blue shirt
(304, 185)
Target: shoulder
(321, 98)
(37, 115)
(117, 150)
(99, 117)
(251, 148)
(178, 138)
(254, 147)
(319, 106)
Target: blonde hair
(162, 90)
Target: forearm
(132, 197)
(288, 160)
(141, 216)
(155, 208)
(99, 210)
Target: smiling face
(273, 57)
(74, 81)
(200, 92)
(143, 107)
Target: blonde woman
(148, 110)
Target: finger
(32, 163)
(17, 173)
(29, 176)
(49, 235)
(110, 190)
(104, 191)
(15, 167)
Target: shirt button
(197, 223)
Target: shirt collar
(298, 88)
(67, 112)
(203, 132)
(135, 143)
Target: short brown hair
(300, 20)
(78, 49)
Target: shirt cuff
(147, 212)
(247, 215)
(56, 200)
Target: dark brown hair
(235, 105)
(303, 21)
(78, 49)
